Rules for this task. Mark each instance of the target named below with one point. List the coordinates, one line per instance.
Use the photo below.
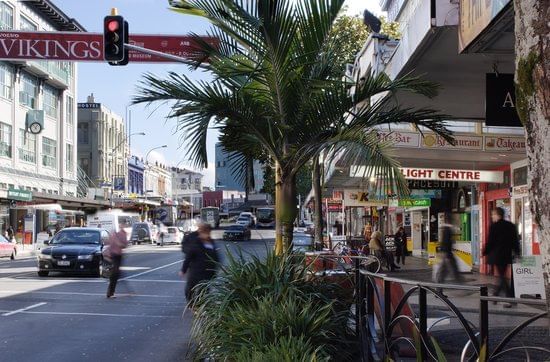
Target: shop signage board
(426, 194)
(505, 144)
(500, 101)
(461, 142)
(452, 175)
(89, 105)
(414, 202)
(88, 47)
(528, 278)
(401, 139)
(359, 198)
(19, 195)
(431, 184)
(475, 17)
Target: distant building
(102, 146)
(158, 181)
(224, 199)
(224, 176)
(187, 186)
(136, 170)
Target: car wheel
(43, 273)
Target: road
(66, 317)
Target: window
(49, 152)
(51, 100)
(27, 146)
(29, 90)
(84, 164)
(83, 134)
(5, 140)
(6, 16)
(69, 158)
(6, 81)
(69, 118)
(27, 25)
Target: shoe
(112, 296)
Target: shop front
(521, 211)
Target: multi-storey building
(136, 169)
(158, 181)
(44, 162)
(103, 149)
(225, 178)
(187, 187)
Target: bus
(211, 216)
(265, 217)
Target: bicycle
(368, 261)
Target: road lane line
(24, 309)
(104, 314)
(152, 270)
(89, 294)
(103, 281)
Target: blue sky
(114, 86)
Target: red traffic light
(113, 25)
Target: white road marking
(24, 309)
(87, 294)
(152, 270)
(65, 280)
(104, 314)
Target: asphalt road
(68, 318)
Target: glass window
(69, 158)
(49, 152)
(27, 146)
(6, 16)
(29, 90)
(6, 81)
(83, 134)
(26, 24)
(69, 118)
(5, 140)
(51, 100)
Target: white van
(113, 221)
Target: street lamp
(147, 163)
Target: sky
(115, 86)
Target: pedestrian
(401, 241)
(201, 260)
(10, 233)
(447, 259)
(390, 247)
(501, 248)
(375, 245)
(117, 242)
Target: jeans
(115, 274)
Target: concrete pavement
(67, 317)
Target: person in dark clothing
(201, 259)
(10, 233)
(401, 241)
(501, 248)
(448, 260)
(117, 243)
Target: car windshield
(236, 228)
(242, 219)
(76, 237)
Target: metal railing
(381, 301)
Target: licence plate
(63, 263)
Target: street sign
(88, 47)
(414, 202)
(19, 195)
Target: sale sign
(88, 47)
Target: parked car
(144, 232)
(188, 226)
(302, 242)
(250, 215)
(245, 220)
(170, 235)
(7, 248)
(237, 232)
(74, 250)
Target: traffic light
(115, 35)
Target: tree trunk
(285, 209)
(318, 202)
(532, 31)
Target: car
(170, 235)
(302, 242)
(244, 220)
(144, 232)
(7, 248)
(74, 250)
(188, 226)
(237, 232)
(250, 215)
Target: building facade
(44, 162)
(187, 188)
(136, 169)
(225, 180)
(158, 181)
(103, 149)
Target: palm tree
(273, 90)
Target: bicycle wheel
(370, 263)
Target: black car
(237, 232)
(74, 250)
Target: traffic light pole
(157, 53)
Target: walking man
(448, 260)
(501, 248)
(117, 242)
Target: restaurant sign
(400, 139)
(460, 142)
(505, 144)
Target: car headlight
(44, 256)
(85, 257)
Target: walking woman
(201, 258)
(401, 241)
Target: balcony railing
(53, 69)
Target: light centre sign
(438, 174)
